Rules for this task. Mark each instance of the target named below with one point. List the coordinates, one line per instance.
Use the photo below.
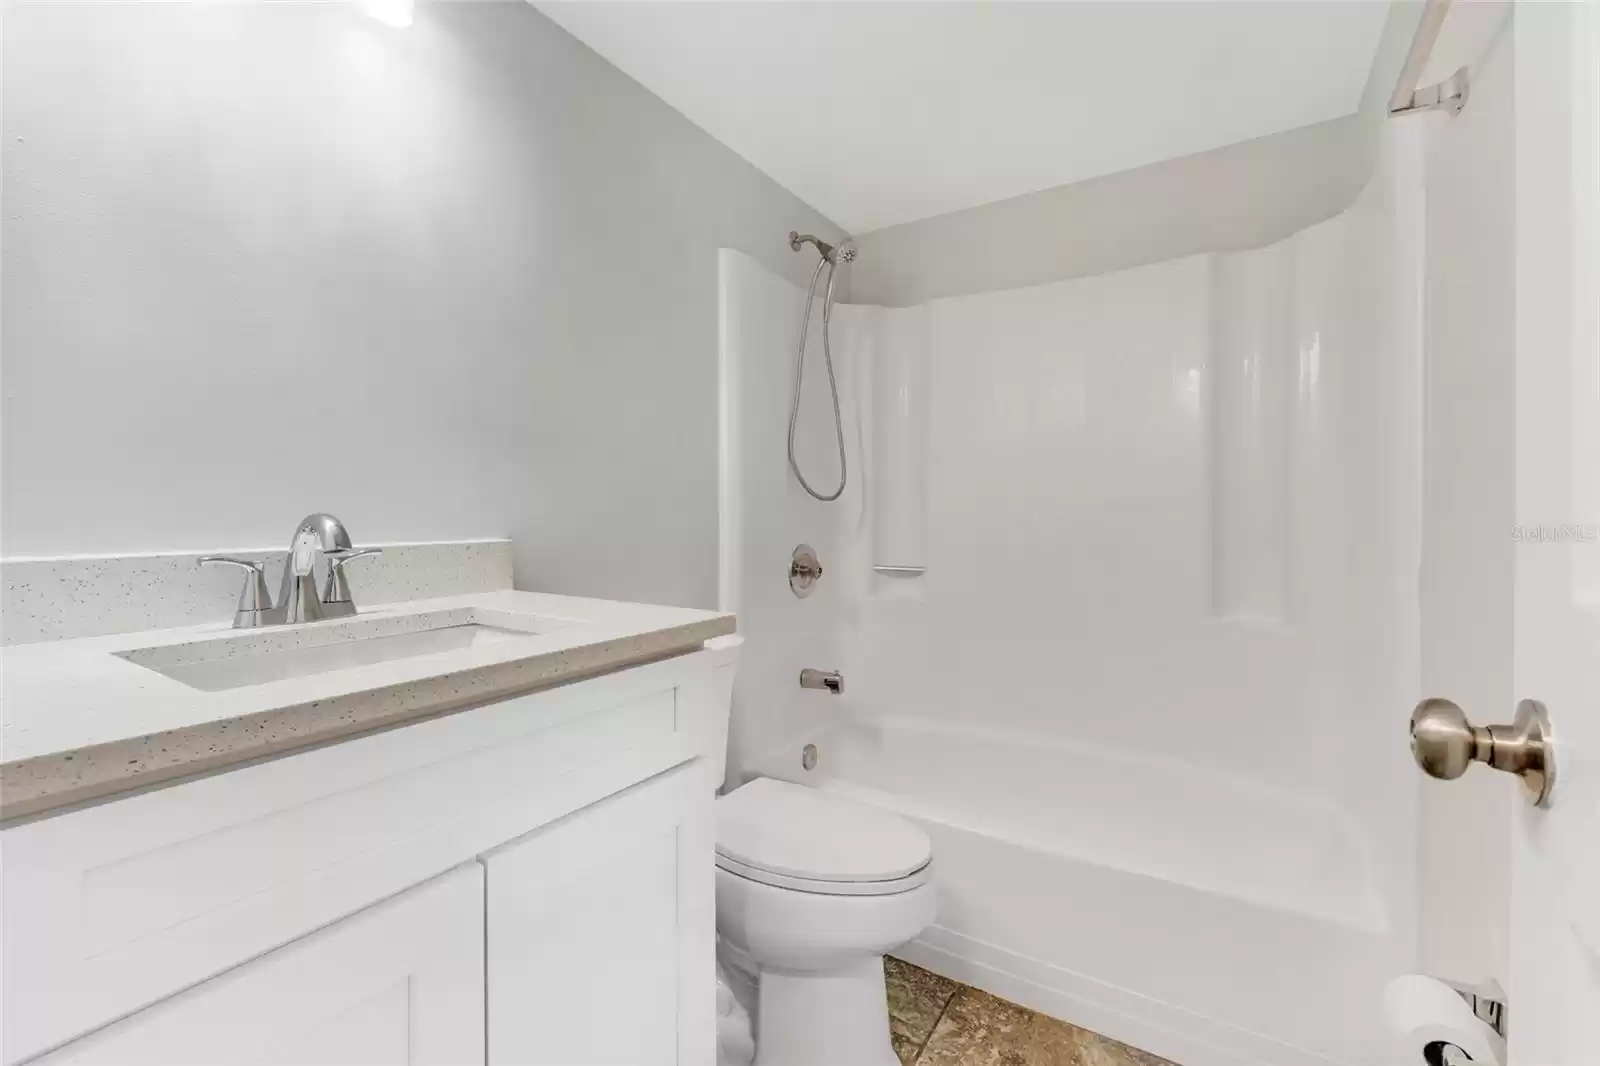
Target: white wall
(446, 281)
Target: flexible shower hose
(833, 384)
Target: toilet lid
(802, 833)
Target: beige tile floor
(935, 1021)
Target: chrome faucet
(298, 599)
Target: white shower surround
(1170, 602)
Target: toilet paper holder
(1444, 1023)
(1490, 1011)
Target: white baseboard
(1138, 1021)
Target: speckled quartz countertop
(83, 719)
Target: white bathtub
(1214, 922)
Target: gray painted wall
(454, 280)
(1240, 196)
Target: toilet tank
(724, 653)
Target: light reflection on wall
(396, 13)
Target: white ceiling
(882, 113)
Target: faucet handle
(338, 589)
(254, 599)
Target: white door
(399, 984)
(602, 929)
(1555, 897)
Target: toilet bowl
(812, 890)
(736, 1045)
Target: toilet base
(850, 1004)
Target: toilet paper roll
(1425, 1013)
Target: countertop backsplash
(61, 598)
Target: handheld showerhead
(843, 254)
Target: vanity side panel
(110, 908)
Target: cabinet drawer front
(399, 983)
(111, 908)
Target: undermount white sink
(259, 657)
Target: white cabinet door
(399, 983)
(602, 933)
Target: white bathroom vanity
(488, 838)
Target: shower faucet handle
(805, 564)
(805, 570)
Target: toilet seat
(826, 888)
(798, 838)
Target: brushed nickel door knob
(1445, 743)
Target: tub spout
(831, 680)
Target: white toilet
(812, 890)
